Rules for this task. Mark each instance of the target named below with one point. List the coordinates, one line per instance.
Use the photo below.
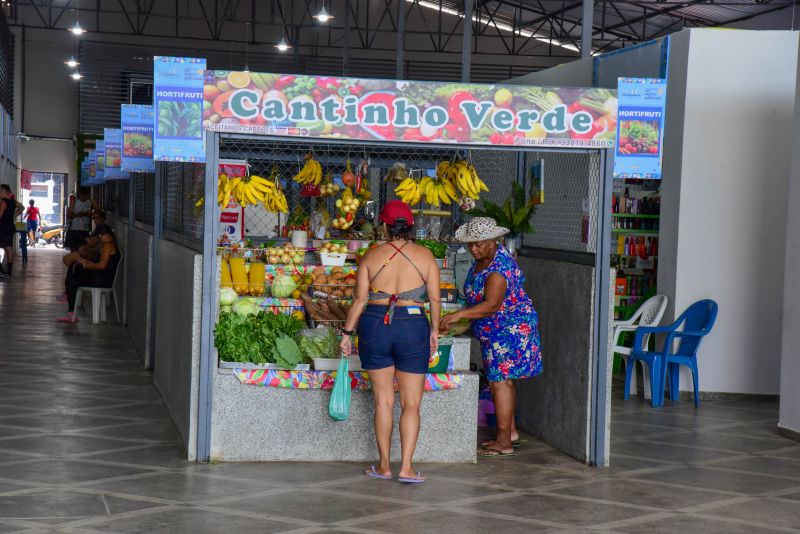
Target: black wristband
(348, 332)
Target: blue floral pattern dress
(509, 339)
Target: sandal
(418, 479)
(493, 453)
(373, 473)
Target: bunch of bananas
(276, 200)
(409, 191)
(438, 190)
(463, 175)
(247, 190)
(311, 173)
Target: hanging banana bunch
(311, 173)
(464, 175)
(275, 201)
(437, 191)
(409, 191)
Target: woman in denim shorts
(395, 339)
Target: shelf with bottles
(630, 291)
(643, 246)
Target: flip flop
(489, 453)
(373, 473)
(412, 480)
(516, 443)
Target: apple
(503, 97)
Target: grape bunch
(302, 85)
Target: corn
(225, 273)
(257, 278)
(239, 276)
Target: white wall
(735, 152)
(577, 73)
(789, 417)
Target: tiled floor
(86, 446)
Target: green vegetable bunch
(318, 342)
(259, 338)
(515, 214)
(438, 249)
(179, 119)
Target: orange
(239, 80)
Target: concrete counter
(255, 423)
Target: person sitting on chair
(86, 273)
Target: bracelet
(348, 332)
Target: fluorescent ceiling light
(71, 62)
(500, 25)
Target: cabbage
(225, 309)
(245, 307)
(227, 296)
(283, 286)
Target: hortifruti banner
(407, 111)
(91, 168)
(100, 160)
(113, 154)
(137, 138)
(178, 99)
(640, 128)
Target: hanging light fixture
(246, 56)
(323, 16)
(76, 29)
(76, 75)
(283, 46)
(72, 62)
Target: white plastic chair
(99, 296)
(648, 314)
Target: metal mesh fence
(183, 190)
(288, 158)
(567, 220)
(144, 197)
(123, 195)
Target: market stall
(296, 170)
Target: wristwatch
(348, 332)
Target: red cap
(396, 209)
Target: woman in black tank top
(85, 273)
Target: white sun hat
(480, 229)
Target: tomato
(283, 82)
(653, 150)
(496, 138)
(458, 132)
(454, 105)
(508, 138)
(628, 147)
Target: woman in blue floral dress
(503, 320)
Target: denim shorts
(404, 344)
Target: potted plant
(515, 214)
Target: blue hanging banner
(91, 168)
(178, 121)
(85, 171)
(640, 127)
(113, 148)
(100, 161)
(137, 138)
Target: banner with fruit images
(100, 161)
(231, 216)
(178, 102)
(137, 138)
(113, 155)
(640, 130)
(408, 111)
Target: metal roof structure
(386, 38)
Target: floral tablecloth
(359, 380)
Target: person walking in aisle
(32, 219)
(9, 210)
(395, 339)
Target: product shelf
(621, 231)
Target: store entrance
(47, 190)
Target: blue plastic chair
(694, 324)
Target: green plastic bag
(339, 407)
